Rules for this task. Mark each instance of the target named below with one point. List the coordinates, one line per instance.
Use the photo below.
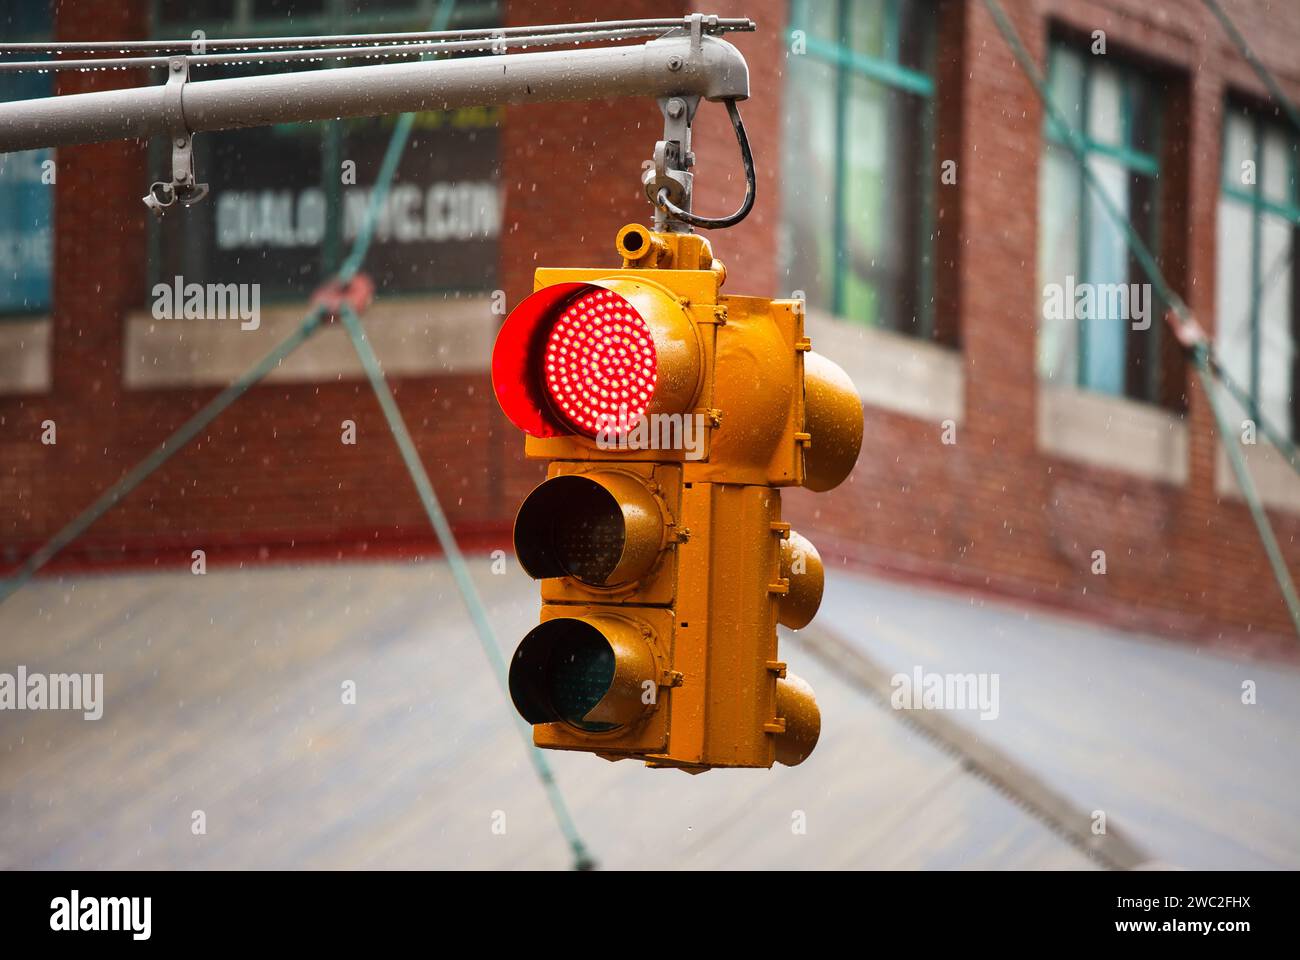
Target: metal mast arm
(679, 66)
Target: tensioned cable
(495, 45)
(459, 569)
(424, 488)
(1240, 394)
(186, 432)
(1276, 437)
(1261, 71)
(1293, 114)
(197, 423)
(1191, 334)
(710, 25)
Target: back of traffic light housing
(671, 415)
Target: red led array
(599, 364)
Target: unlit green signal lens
(581, 670)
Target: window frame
(1132, 161)
(12, 314)
(890, 73)
(1231, 190)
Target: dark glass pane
(1144, 117)
(26, 195)
(854, 206)
(809, 184)
(1112, 341)
(881, 204)
(440, 222)
(273, 9)
(916, 34)
(171, 12)
(581, 671)
(367, 7)
(1144, 346)
(24, 20)
(1292, 424)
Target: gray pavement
(223, 694)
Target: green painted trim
(839, 227)
(1085, 230)
(1293, 161)
(890, 74)
(1230, 186)
(1285, 211)
(1135, 160)
(1082, 146)
(1126, 109)
(929, 186)
(1256, 249)
(849, 64)
(1200, 351)
(331, 134)
(1155, 348)
(1260, 205)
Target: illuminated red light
(599, 364)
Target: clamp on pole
(183, 185)
(668, 176)
(667, 179)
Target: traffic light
(671, 416)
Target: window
(1101, 326)
(1258, 303)
(858, 164)
(26, 180)
(287, 200)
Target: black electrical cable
(747, 158)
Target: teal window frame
(1289, 210)
(1133, 161)
(45, 304)
(889, 72)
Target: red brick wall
(270, 477)
(991, 512)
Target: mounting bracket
(182, 187)
(670, 170)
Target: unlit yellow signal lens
(603, 529)
(588, 672)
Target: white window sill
(892, 371)
(24, 355)
(1275, 480)
(411, 335)
(1113, 432)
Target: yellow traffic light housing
(671, 415)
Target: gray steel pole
(674, 66)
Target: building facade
(1021, 441)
